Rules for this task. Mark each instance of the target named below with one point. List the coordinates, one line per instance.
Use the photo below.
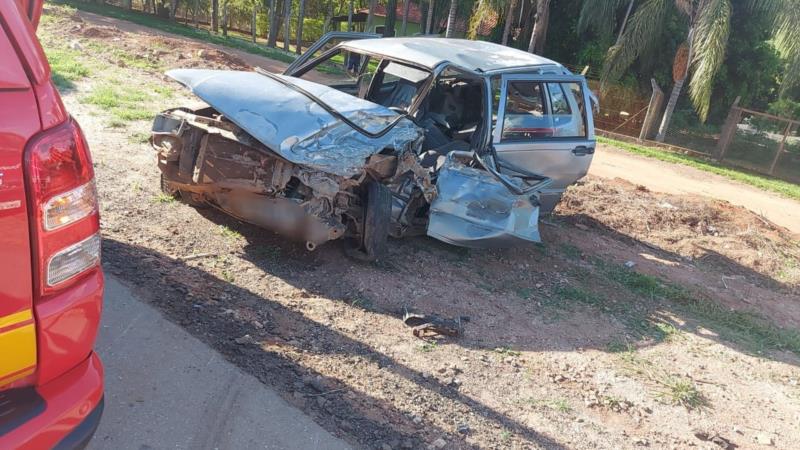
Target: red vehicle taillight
(63, 202)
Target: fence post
(653, 108)
(780, 148)
(728, 129)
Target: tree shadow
(550, 297)
(202, 304)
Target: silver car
(465, 141)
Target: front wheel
(371, 244)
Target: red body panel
(68, 376)
(70, 398)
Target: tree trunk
(173, 8)
(194, 12)
(350, 16)
(253, 23)
(391, 18)
(215, 15)
(451, 19)
(225, 18)
(509, 19)
(404, 27)
(287, 19)
(272, 39)
(624, 22)
(371, 15)
(676, 91)
(128, 4)
(301, 10)
(429, 21)
(328, 17)
(539, 26)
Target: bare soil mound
(693, 227)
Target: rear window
(536, 110)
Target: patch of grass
(580, 295)
(507, 351)
(570, 251)
(505, 435)
(361, 303)
(746, 328)
(65, 67)
(227, 276)
(669, 331)
(163, 198)
(179, 29)
(229, 233)
(764, 182)
(125, 104)
(524, 293)
(138, 137)
(618, 346)
(428, 347)
(680, 391)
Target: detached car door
(544, 125)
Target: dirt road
(610, 162)
(645, 319)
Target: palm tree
(451, 19)
(601, 15)
(703, 52)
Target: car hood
(295, 126)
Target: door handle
(583, 150)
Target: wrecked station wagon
(465, 141)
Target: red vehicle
(51, 284)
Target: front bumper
(72, 407)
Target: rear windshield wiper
(330, 109)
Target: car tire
(371, 245)
(189, 198)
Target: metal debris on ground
(422, 324)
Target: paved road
(660, 176)
(166, 389)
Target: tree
(451, 19)
(391, 18)
(287, 18)
(601, 15)
(539, 33)
(785, 17)
(512, 4)
(350, 16)
(429, 20)
(404, 26)
(301, 12)
(215, 15)
(272, 39)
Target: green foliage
(785, 107)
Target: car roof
(476, 56)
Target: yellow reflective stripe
(15, 318)
(18, 348)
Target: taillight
(63, 200)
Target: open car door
(544, 125)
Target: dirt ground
(644, 320)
